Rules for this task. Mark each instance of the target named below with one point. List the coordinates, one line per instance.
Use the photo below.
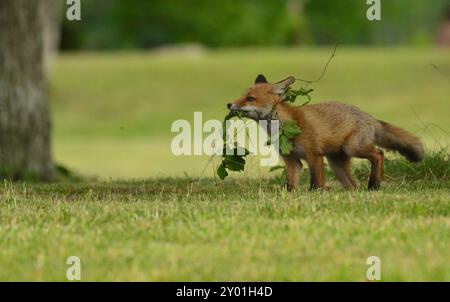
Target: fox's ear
(260, 79)
(281, 87)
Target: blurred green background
(129, 69)
(129, 24)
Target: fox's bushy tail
(397, 139)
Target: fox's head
(259, 100)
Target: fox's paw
(374, 185)
(320, 188)
(290, 188)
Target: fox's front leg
(293, 169)
(315, 165)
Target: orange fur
(335, 130)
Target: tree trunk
(24, 113)
(53, 16)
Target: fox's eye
(250, 99)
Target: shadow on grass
(432, 173)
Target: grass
(148, 216)
(180, 229)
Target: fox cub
(334, 130)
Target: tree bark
(24, 113)
(53, 16)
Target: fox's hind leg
(376, 158)
(340, 165)
(376, 173)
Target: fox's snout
(237, 106)
(258, 101)
(234, 107)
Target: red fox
(334, 130)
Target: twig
(324, 69)
(442, 72)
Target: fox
(336, 131)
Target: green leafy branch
(289, 130)
(235, 161)
(292, 95)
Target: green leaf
(292, 94)
(222, 171)
(239, 150)
(290, 129)
(285, 145)
(235, 162)
(232, 162)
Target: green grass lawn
(173, 229)
(150, 217)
